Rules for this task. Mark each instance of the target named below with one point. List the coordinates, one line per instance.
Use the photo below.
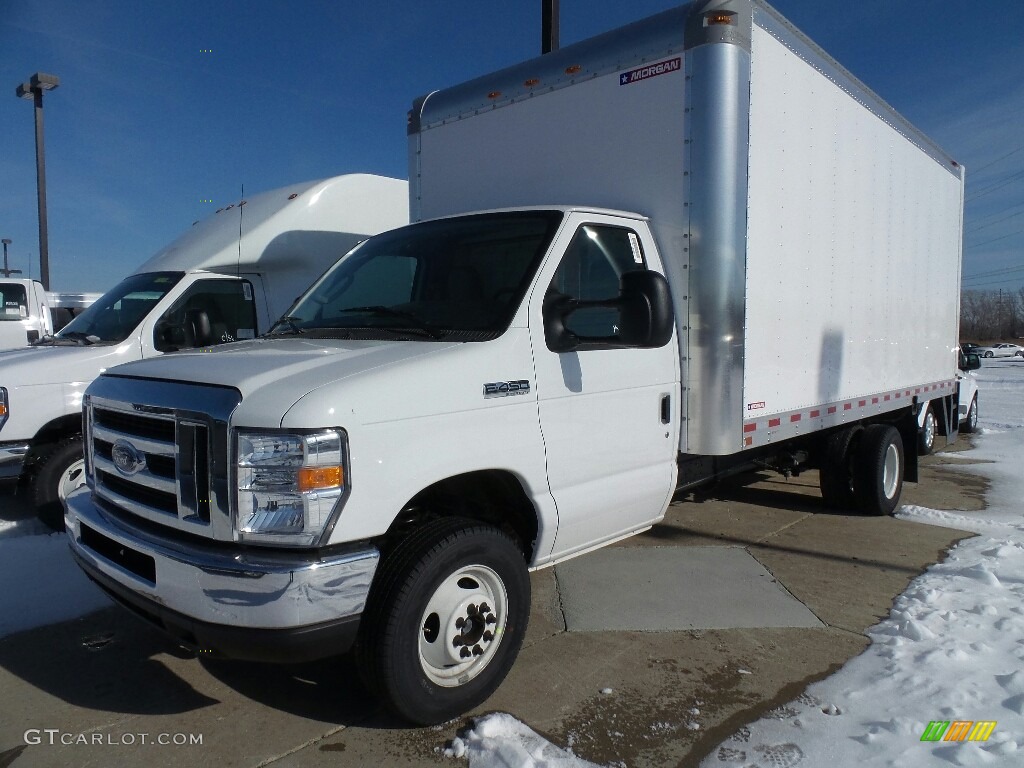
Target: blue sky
(147, 125)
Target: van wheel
(445, 620)
(970, 424)
(878, 470)
(56, 475)
(926, 436)
(835, 475)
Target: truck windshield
(13, 301)
(460, 278)
(113, 316)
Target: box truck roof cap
(650, 41)
(255, 235)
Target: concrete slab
(674, 588)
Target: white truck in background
(25, 314)
(705, 247)
(228, 277)
(29, 314)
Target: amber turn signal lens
(317, 478)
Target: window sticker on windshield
(247, 291)
(162, 280)
(634, 243)
(246, 333)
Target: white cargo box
(811, 235)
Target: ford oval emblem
(127, 458)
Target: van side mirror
(645, 315)
(646, 318)
(969, 362)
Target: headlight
(289, 485)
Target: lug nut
(491, 619)
(485, 608)
(464, 653)
(459, 622)
(478, 651)
(488, 637)
(457, 641)
(471, 610)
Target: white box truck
(706, 247)
(228, 277)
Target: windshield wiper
(383, 311)
(288, 320)
(82, 339)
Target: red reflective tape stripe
(748, 441)
(862, 403)
(795, 417)
(887, 398)
(774, 422)
(816, 414)
(847, 406)
(750, 427)
(874, 401)
(831, 409)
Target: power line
(985, 190)
(997, 221)
(997, 160)
(1013, 280)
(992, 272)
(997, 239)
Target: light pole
(7, 271)
(33, 89)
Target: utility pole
(33, 89)
(549, 26)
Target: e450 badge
(507, 388)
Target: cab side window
(210, 312)
(590, 270)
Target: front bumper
(239, 603)
(12, 459)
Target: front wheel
(445, 619)
(970, 424)
(878, 473)
(926, 437)
(56, 475)
(989, 354)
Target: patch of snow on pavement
(501, 741)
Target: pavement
(646, 653)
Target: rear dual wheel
(862, 469)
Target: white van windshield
(118, 312)
(458, 279)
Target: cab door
(607, 412)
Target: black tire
(835, 473)
(435, 561)
(49, 477)
(926, 434)
(988, 354)
(878, 470)
(970, 423)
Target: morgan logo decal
(127, 458)
(507, 388)
(651, 70)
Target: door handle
(666, 409)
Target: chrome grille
(152, 454)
